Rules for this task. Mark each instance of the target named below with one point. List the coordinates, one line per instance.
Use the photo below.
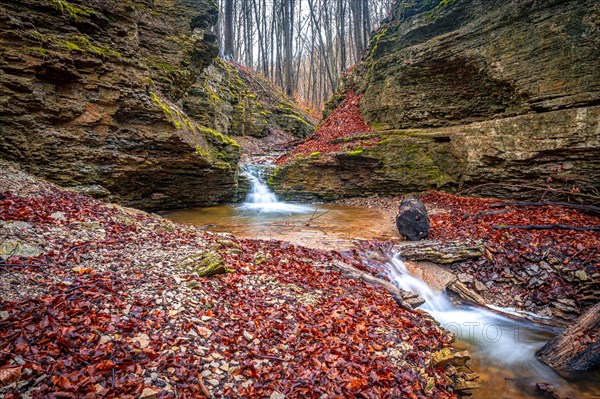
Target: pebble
(479, 286)
(104, 339)
(581, 274)
(58, 216)
(213, 382)
(277, 395)
(143, 340)
(21, 225)
(149, 393)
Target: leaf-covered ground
(100, 301)
(554, 273)
(341, 131)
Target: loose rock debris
(110, 310)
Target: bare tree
(300, 45)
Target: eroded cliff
(127, 100)
(89, 92)
(501, 96)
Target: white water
(502, 340)
(262, 200)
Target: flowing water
(262, 200)
(263, 216)
(502, 346)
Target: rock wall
(240, 103)
(468, 93)
(89, 96)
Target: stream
(502, 345)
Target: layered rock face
(89, 93)
(466, 93)
(235, 101)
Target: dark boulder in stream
(412, 221)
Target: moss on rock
(206, 264)
(236, 102)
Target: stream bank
(91, 286)
(450, 246)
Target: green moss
(37, 37)
(72, 10)
(164, 67)
(206, 264)
(315, 154)
(435, 13)
(166, 109)
(355, 152)
(70, 46)
(82, 44)
(39, 51)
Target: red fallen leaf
(9, 374)
(357, 383)
(61, 382)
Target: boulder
(412, 221)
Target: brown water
(334, 227)
(338, 227)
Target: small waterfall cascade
(261, 199)
(501, 340)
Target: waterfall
(261, 199)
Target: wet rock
(412, 220)
(442, 358)
(566, 305)
(548, 391)
(465, 293)
(463, 385)
(435, 276)
(461, 358)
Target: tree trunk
(228, 52)
(577, 349)
(438, 252)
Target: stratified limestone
(235, 101)
(468, 93)
(88, 99)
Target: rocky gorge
(119, 100)
(496, 97)
(487, 111)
